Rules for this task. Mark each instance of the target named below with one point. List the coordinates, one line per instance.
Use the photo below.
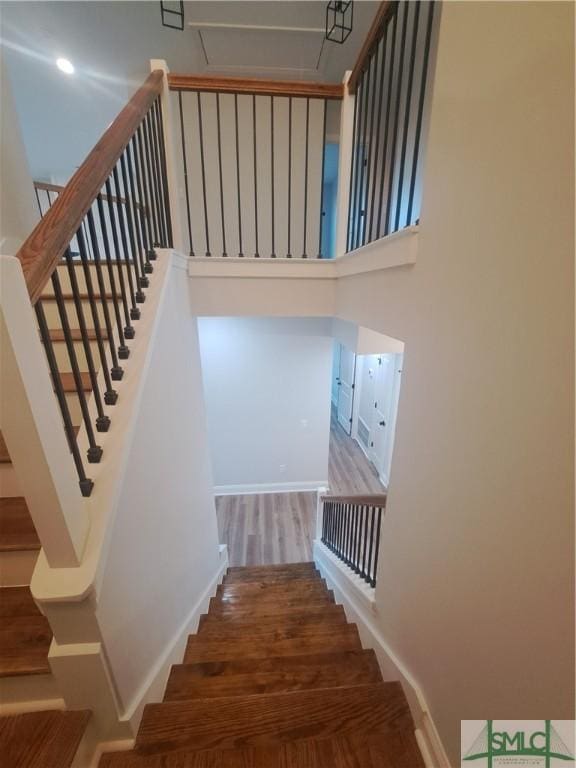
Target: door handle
(382, 423)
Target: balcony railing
(390, 83)
(252, 158)
(351, 530)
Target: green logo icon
(546, 744)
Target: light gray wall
(18, 210)
(164, 544)
(267, 390)
(475, 583)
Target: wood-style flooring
(276, 528)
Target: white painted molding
(248, 489)
(152, 689)
(359, 604)
(396, 250)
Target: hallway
(275, 528)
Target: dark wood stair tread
(284, 626)
(57, 334)
(272, 643)
(17, 532)
(69, 385)
(242, 721)
(25, 634)
(248, 677)
(292, 604)
(394, 750)
(41, 739)
(329, 614)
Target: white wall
(475, 590)
(18, 209)
(267, 389)
(164, 544)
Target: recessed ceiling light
(65, 66)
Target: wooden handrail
(374, 500)
(43, 249)
(255, 86)
(375, 33)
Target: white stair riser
(64, 278)
(16, 568)
(53, 318)
(63, 358)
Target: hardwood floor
(276, 528)
(349, 471)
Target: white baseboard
(360, 607)
(248, 489)
(152, 689)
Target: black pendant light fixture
(339, 17)
(172, 14)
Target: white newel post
(344, 167)
(32, 427)
(173, 187)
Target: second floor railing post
(346, 148)
(178, 240)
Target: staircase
(275, 676)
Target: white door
(386, 393)
(346, 388)
(335, 374)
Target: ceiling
(110, 44)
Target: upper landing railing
(390, 85)
(252, 154)
(105, 224)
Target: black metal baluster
(358, 553)
(374, 69)
(304, 254)
(38, 201)
(240, 252)
(273, 254)
(377, 546)
(102, 421)
(407, 111)
(132, 206)
(200, 129)
(168, 243)
(134, 310)
(220, 174)
(396, 120)
(140, 281)
(140, 206)
(110, 396)
(123, 351)
(288, 252)
(372, 523)
(363, 573)
(347, 536)
(86, 485)
(418, 129)
(147, 199)
(351, 211)
(256, 254)
(383, 43)
(351, 536)
(116, 371)
(338, 542)
(322, 182)
(361, 200)
(387, 123)
(185, 167)
(155, 211)
(157, 173)
(358, 159)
